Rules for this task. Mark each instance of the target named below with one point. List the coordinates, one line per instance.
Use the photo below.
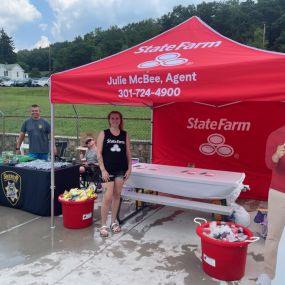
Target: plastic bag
(240, 215)
(261, 218)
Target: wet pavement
(157, 246)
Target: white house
(13, 71)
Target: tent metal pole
(77, 130)
(151, 130)
(52, 186)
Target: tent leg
(151, 136)
(52, 186)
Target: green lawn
(16, 101)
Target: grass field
(16, 101)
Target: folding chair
(61, 147)
(91, 175)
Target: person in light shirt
(275, 160)
(89, 162)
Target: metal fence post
(3, 130)
(77, 131)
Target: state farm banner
(231, 137)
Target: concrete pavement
(157, 246)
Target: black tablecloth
(29, 189)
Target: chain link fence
(137, 128)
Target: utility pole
(263, 38)
(49, 60)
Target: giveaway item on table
(42, 164)
(23, 158)
(7, 156)
(76, 194)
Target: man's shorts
(42, 156)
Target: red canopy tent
(192, 57)
(192, 77)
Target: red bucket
(77, 214)
(224, 260)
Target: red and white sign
(231, 138)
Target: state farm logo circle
(216, 144)
(166, 59)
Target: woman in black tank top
(114, 158)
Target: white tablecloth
(187, 182)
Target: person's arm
(280, 151)
(100, 140)
(19, 142)
(82, 156)
(274, 151)
(96, 157)
(129, 157)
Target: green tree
(111, 41)
(57, 50)
(138, 32)
(35, 72)
(178, 15)
(24, 66)
(23, 57)
(280, 42)
(242, 21)
(259, 40)
(35, 58)
(7, 54)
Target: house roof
(10, 66)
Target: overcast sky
(35, 23)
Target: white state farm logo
(115, 148)
(166, 59)
(216, 145)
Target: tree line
(258, 23)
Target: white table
(185, 182)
